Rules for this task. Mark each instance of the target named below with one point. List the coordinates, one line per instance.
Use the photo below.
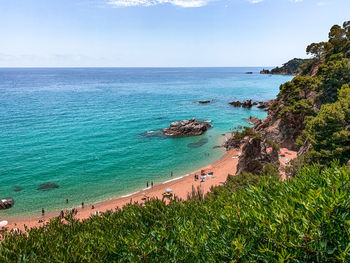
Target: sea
(90, 134)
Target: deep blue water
(88, 129)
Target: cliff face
(256, 153)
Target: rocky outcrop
(254, 120)
(283, 131)
(265, 105)
(6, 203)
(189, 127)
(245, 104)
(232, 143)
(256, 153)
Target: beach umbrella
(3, 223)
(168, 190)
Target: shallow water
(93, 132)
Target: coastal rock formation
(189, 127)
(256, 153)
(6, 203)
(232, 143)
(246, 104)
(265, 105)
(254, 120)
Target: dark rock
(6, 203)
(198, 144)
(190, 127)
(47, 186)
(17, 188)
(205, 101)
(236, 103)
(246, 104)
(255, 156)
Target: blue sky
(162, 33)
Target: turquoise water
(86, 129)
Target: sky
(162, 33)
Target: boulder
(189, 127)
(6, 203)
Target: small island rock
(189, 127)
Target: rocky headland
(292, 67)
(191, 127)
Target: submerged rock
(47, 186)
(198, 144)
(189, 127)
(154, 134)
(17, 188)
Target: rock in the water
(198, 144)
(17, 188)
(6, 203)
(205, 101)
(189, 127)
(246, 104)
(47, 186)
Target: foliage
(252, 219)
(329, 131)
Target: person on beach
(62, 214)
(67, 201)
(42, 211)
(82, 204)
(147, 184)
(152, 184)
(171, 174)
(92, 207)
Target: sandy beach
(180, 186)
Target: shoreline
(181, 187)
